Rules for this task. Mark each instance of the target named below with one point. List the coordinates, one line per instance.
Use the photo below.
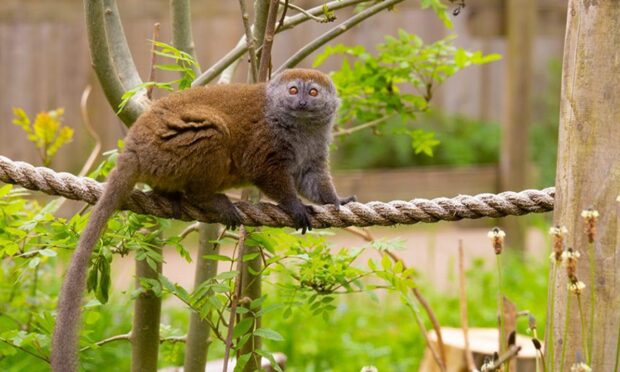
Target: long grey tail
(64, 355)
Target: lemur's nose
(302, 103)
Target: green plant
(184, 64)
(395, 84)
(47, 132)
(463, 142)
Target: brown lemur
(202, 141)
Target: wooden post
(521, 19)
(588, 176)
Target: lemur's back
(188, 137)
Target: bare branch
(265, 60)
(188, 230)
(292, 21)
(441, 359)
(469, 357)
(335, 32)
(301, 10)
(370, 124)
(153, 71)
(119, 49)
(182, 28)
(495, 365)
(235, 297)
(249, 36)
(91, 131)
(111, 81)
(284, 3)
(122, 337)
(261, 13)
(289, 22)
(227, 75)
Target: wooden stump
(482, 342)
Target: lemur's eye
(293, 90)
(313, 92)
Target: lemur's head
(302, 93)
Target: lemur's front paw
(348, 200)
(301, 215)
(343, 201)
(231, 218)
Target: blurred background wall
(44, 60)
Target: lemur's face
(304, 93)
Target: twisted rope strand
(268, 214)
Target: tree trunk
(196, 349)
(146, 317)
(521, 19)
(588, 176)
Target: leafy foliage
(397, 83)
(47, 132)
(463, 142)
(184, 64)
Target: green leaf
(242, 327)
(217, 257)
(47, 252)
(170, 67)
(269, 334)
(33, 263)
(242, 361)
(250, 256)
(386, 262)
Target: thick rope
(268, 214)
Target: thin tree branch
(153, 70)
(471, 366)
(361, 232)
(249, 36)
(441, 360)
(43, 358)
(261, 13)
(119, 49)
(182, 28)
(173, 339)
(265, 60)
(127, 337)
(286, 4)
(289, 22)
(292, 21)
(212, 72)
(495, 365)
(113, 85)
(235, 298)
(370, 124)
(91, 131)
(122, 337)
(301, 10)
(189, 229)
(335, 32)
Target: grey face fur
(306, 100)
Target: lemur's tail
(64, 356)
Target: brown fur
(200, 142)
